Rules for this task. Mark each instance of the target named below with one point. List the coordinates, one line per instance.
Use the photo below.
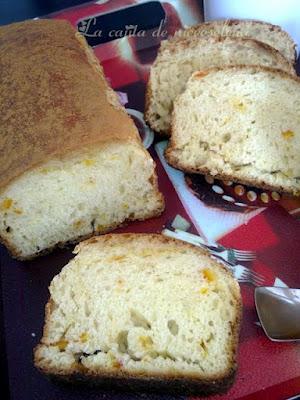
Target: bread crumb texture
(178, 59)
(85, 194)
(142, 305)
(242, 124)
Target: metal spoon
(278, 309)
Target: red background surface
(267, 370)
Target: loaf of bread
(241, 124)
(142, 311)
(72, 163)
(273, 35)
(178, 59)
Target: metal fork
(245, 275)
(244, 255)
(233, 255)
(230, 255)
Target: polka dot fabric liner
(242, 195)
(233, 196)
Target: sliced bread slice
(178, 60)
(145, 311)
(273, 35)
(241, 124)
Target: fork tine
(245, 257)
(244, 253)
(251, 277)
(244, 279)
(258, 276)
(240, 253)
(257, 283)
(259, 280)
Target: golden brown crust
(54, 97)
(227, 177)
(148, 96)
(176, 382)
(122, 237)
(176, 163)
(160, 384)
(147, 115)
(229, 22)
(253, 68)
(174, 46)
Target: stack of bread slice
(215, 44)
(238, 116)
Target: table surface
(14, 287)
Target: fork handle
(198, 239)
(226, 263)
(193, 239)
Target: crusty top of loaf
(173, 47)
(280, 40)
(54, 98)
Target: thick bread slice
(177, 60)
(273, 35)
(71, 161)
(241, 124)
(145, 310)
